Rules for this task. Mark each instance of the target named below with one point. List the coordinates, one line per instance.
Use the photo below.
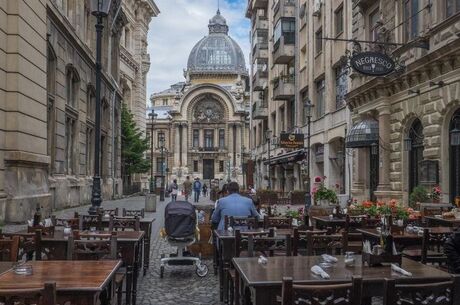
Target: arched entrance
(414, 144)
(454, 156)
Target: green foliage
(419, 194)
(323, 193)
(133, 145)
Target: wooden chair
(134, 213)
(318, 244)
(299, 240)
(278, 222)
(45, 231)
(240, 222)
(86, 222)
(431, 250)
(352, 242)
(420, 293)
(343, 293)
(39, 296)
(110, 212)
(124, 224)
(9, 249)
(73, 223)
(241, 240)
(30, 245)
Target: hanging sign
(292, 140)
(372, 63)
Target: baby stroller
(180, 227)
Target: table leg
(236, 293)
(221, 273)
(136, 272)
(148, 235)
(129, 283)
(216, 253)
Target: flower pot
(323, 202)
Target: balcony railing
(259, 3)
(209, 149)
(284, 8)
(284, 88)
(259, 111)
(260, 22)
(259, 80)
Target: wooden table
(323, 222)
(402, 239)
(261, 284)
(129, 244)
(439, 221)
(79, 282)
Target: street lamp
(152, 116)
(162, 191)
(308, 107)
(268, 136)
(100, 9)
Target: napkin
(48, 222)
(30, 223)
(329, 259)
(398, 269)
(317, 270)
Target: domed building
(204, 121)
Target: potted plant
(325, 195)
(419, 194)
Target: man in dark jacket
(452, 251)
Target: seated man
(452, 251)
(233, 205)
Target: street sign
(372, 63)
(292, 140)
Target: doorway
(208, 168)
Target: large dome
(217, 52)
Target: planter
(323, 202)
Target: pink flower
(318, 179)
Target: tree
(133, 146)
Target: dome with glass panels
(217, 52)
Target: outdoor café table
(439, 221)
(77, 282)
(324, 222)
(128, 242)
(402, 239)
(261, 284)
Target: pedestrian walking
(205, 190)
(197, 189)
(173, 190)
(187, 187)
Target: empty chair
(420, 293)
(278, 222)
(300, 241)
(9, 249)
(133, 213)
(241, 240)
(87, 222)
(343, 293)
(318, 244)
(45, 231)
(95, 248)
(38, 296)
(124, 224)
(240, 222)
(110, 212)
(73, 223)
(431, 250)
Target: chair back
(9, 249)
(73, 223)
(299, 240)
(421, 293)
(124, 224)
(318, 244)
(45, 231)
(340, 293)
(30, 245)
(240, 222)
(241, 240)
(278, 222)
(40, 296)
(133, 213)
(86, 222)
(269, 245)
(110, 212)
(433, 241)
(348, 237)
(103, 246)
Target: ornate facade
(204, 120)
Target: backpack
(196, 185)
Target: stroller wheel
(162, 271)
(201, 269)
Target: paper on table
(329, 258)
(48, 222)
(398, 269)
(317, 270)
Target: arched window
(91, 103)
(72, 86)
(454, 157)
(415, 153)
(51, 108)
(71, 126)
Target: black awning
(289, 157)
(363, 134)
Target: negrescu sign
(372, 63)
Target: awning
(289, 157)
(363, 134)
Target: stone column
(177, 141)
(185, 145)
(384, 149)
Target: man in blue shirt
(233, 205)
(197, 189)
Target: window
(70, 132)
(410, 15)
(319, 41)
(341, 86)
(89, 150)
(196, 138)
(338, 16)
(51, 109)
(91, 104)
(284, 27)
(415, 153)
(320, 107)
(72, 87)
(165, 102)
(195, 166)
(260, 37)
(160, 165)
(221, 138)
(452, 7)
(221, 166)
(208, 138)
(127, 38)
(161, 138)
(373, 19)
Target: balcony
(259, 80)
(283, 8)
(260, 22)
(208, 149)
(259, 107)
(284, 49)
(284, 88)
(260, 50)
(259, 4)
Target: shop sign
(372, 63)
(292, 140)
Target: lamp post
(308, 107)
(152, 116)
(100, 9)
(228, 169)
(268, 137)
(162, 190)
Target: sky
(178, 27)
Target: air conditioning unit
(317, 8)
